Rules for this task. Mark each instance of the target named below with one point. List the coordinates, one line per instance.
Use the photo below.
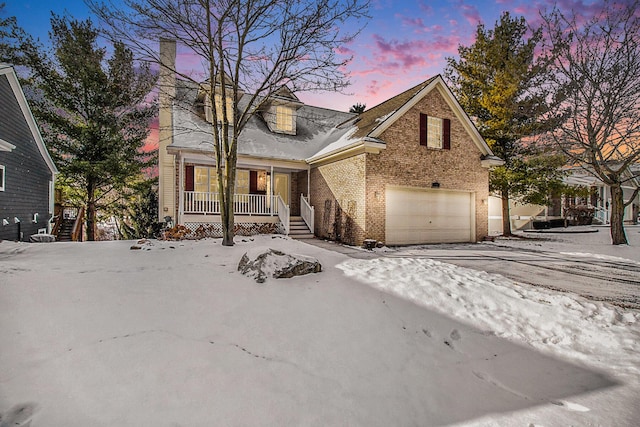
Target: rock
(261, 263)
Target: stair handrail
(307, 212)
(76, 233)
(56, 225)
(283, 214)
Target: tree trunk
(506, 216)
(618, 236)
(227, 214)
(91, 213)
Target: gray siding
(27, 176)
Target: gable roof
(8, 71)
(382, 116)
(370, 119)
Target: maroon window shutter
(253, 182)
(446, 134)
(188, 178)
(423, 129)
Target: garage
(418, 215)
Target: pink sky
(404, 43)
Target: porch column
(180, 191)
(271, 192)
(309, 183)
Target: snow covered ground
(96, 334)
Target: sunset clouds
(404, 43)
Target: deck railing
(196, 202)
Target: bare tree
(246, 47)
(597, 78)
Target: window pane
(242, 182)
(434, 132)
(201, 179)
(284, 118)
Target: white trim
(3, 177)
(439, 84)
(26, 112)
(5, 146)
(358, 147)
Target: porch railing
(196, 202)
(306, 212)
(283, 214)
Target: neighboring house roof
(8, 71)
(321, 133)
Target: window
(209, 114)
(284, 118)
(242, 181)
(1, 177)
(435, 132)
(204, 179)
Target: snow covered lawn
(96, 334)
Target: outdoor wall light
(5, 222)
(35, 218)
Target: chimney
(166, 162)
(167, 71)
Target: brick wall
(338, 196)
(405, 162)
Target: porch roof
(316, 129)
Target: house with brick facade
(410, 170)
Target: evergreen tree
(141, 214)
(357, 108)
(93, 111)
(499, 82)
(10, 35)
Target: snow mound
(559, 323)
(261, 262)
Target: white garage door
(428, 216)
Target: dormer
(280, 111)
(205, 105)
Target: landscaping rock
(261, 263)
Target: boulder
(261, 263)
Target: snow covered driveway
(585, 264)
(95, 334)
(614, 280)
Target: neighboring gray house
(27, 173)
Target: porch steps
(298, 228)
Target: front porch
(270, 195)
(253, 214)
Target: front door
(281, 186)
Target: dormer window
(284, 118)
(280, 111)
(209, 113)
